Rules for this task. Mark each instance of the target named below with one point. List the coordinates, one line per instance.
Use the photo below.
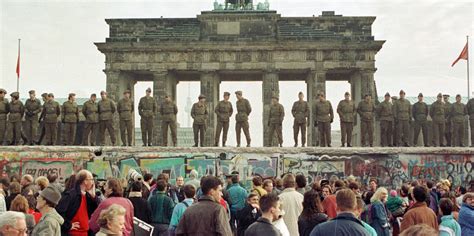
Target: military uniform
(199, 113)
(14, 121)
(125, 109)
(275, 120)
(347, 113)
(324, 115)
(242, 119)
(448, 126)
(52, 111)
(420, 115)
(32, 109)
(70, 118)
(41, 121)
(385, 116)
(90, 110)
(470, 111)
(4, 110)
(402, 117)
(457, 114)
(106, 120)
(438, 116)
(147, 109)
(395, 136)
(168, 111)
(300, 111)
(366, 112)
(223, 111)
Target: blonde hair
(110, 214)
(419, 230)
(42, 182)
(378, 194)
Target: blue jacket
(449, 222)
(345, 224)
(380, 219)
(178, 212)
(238, 197)
(466, 220)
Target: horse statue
(239, 4)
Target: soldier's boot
(296, 144)
(342, 145)
(216, 144)
(223, 143)
(303, 144)
(195, 145)
(238, 144)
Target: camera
(134, 175)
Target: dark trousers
(69, 133)
(346, 132)
(276, 129)
(3, 130)
(14, 132)
(458, 134)
(403, 132)
(447, 133)
(420, 126)
(31, 126)
(164, 129)
(239, 125)
(221, 126)
(386, 133)
(51, 133)
(147, 125)
(199, 134)
(89, 129)
(438, 133)
(367, 132)
(126, 132)
(324, 133)
(160, 229)
(297, 126)
(107, 125)
(471, 124)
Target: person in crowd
(179, 188)
(20, 204)
(373, 184)
(77, 205)
(380, 220)
(345, 222)
(161, 208)
(207, 216)
(434, 198)
(419, 230)
(292, 202)
(41, 183)
(270, 207)
(355, 187)
(395, 204)
(312, 213)
(360, 209)
(69, 183)
(460, 191)
(456, 208)
(249, 214)
(14, 189)
(13, 223)
(4, 184)
(180, 208)
(258, 186)
(466, 215)
(147, 179)
(27, 186)
(325, 191)
(50, 222)
(112, 221)
(141, 207)
(268, 186)
(193, 179)
(419, 213)
(448, 225)
(238, 197)
(53, 181)
(32, 208)
(301, 183)
(329, 202)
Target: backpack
(172, 230)
(367, 214)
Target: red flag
(18, 64)
(463, 55)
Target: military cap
(44, 95)
(275, 96)
(458, 95)
(300, 93)
(420, 95)
(387, 94)
(15, 94)
(367, 94)
(238, 93)
(50, 95)
(72, 95)
(440, 95)
(127, 91)
(321, 94)
(103, 92)
(446, 95)
(402, 92)
(93, 95)
(346, 93)
(148, 90)
(3, 90)
(226, 94)
(31, 92)
(201, 96)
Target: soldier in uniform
(275, 121)
(168, 111)
(107, 109)
(125, 109)
(420, 115)
(4, 110)
(199, 113)
(347, 114)
(242, 117)
(385, 115)
(44, 97)
(32, 109)
(223, 111)
(324, 116)
(90, 110)
(147, 109)
(403, 117)
(448, 126)
(51, 111)
(396, 136)
(438, 116)
(300, 111)
(457, 115)
(69, 119)
(14, 118)
(470, 111)
(366, 110)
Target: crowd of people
(287, 206)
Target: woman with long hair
(379, 216)
(312, 214)
(20, 204)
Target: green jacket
(91, 112)
(16, 111)
(106, 109)
(300, 111)
(49, 224)
(438, 112)
(199, 113)
(147, 107)
(470, 108)
(4, 108)
(224, 110)
(277, 114)
(323, 111)
(125, 109)
(32, 109)
(347, 111)
(366, 110)
(402, 109)
(161, 208)
(168, 111)
(52, 111)
(70, 112)
(243, 110)
(458, 112)
(420, 111)
(385, 111)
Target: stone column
(160, 88)
(114, 88)
(210, 84)
(362, 83)
(356, 93)
(270, 87)
(316, 83)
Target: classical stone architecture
(241, 46)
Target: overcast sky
(58, 54)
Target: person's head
(279, 183)
(338, 184)
(322, 97)
(148, 92)
(211, 186)
(2, 93)
(420, 193)
(387, 97)
(446, 97)
(71, 97)
(347, 96)
(126, 94)
(32, 94)
(443, 190)
(168, 98)
(52, 178)
(430, 184)
(14, 188)
(49, 197)
(368, 97)
(136, 186)
(458, 98)
(179, 181)
(238, 94)
(446, 206)
(311, 204)
(50, 97)
(301, 181)
(257, 181)
(402, 94)
(420, 97)
(12, 223)
(468, 199)
(193, 174)
(85, 180)
(461, 190)
(380, 195)
(274, 99)
(439, 98)
(419, 230)
(189, 191)
(42, 182)
(270, 206)
(326, 191)
(4, 183)
(148, 177)
(113, 188)
(93, 97)
(113, 219)
(202, 98)
(268, 185)
(360, 206)
(252, 199)
(355, 187)
(161, 185)
(26, 180)
(15, 96)
(373, 184)
(20, 204)
(301, 96)
(289, 181)
(103, 95)
(235, 179)
(346, 200)
(226, 96)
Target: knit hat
(51, 194)
(393, 193)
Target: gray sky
(58, 55)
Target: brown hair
(19, 204)
(419, 230)
(114, 185)
(14, 187)
(289, 181)
(346, 200)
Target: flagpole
(468, 81)
(18, 76)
